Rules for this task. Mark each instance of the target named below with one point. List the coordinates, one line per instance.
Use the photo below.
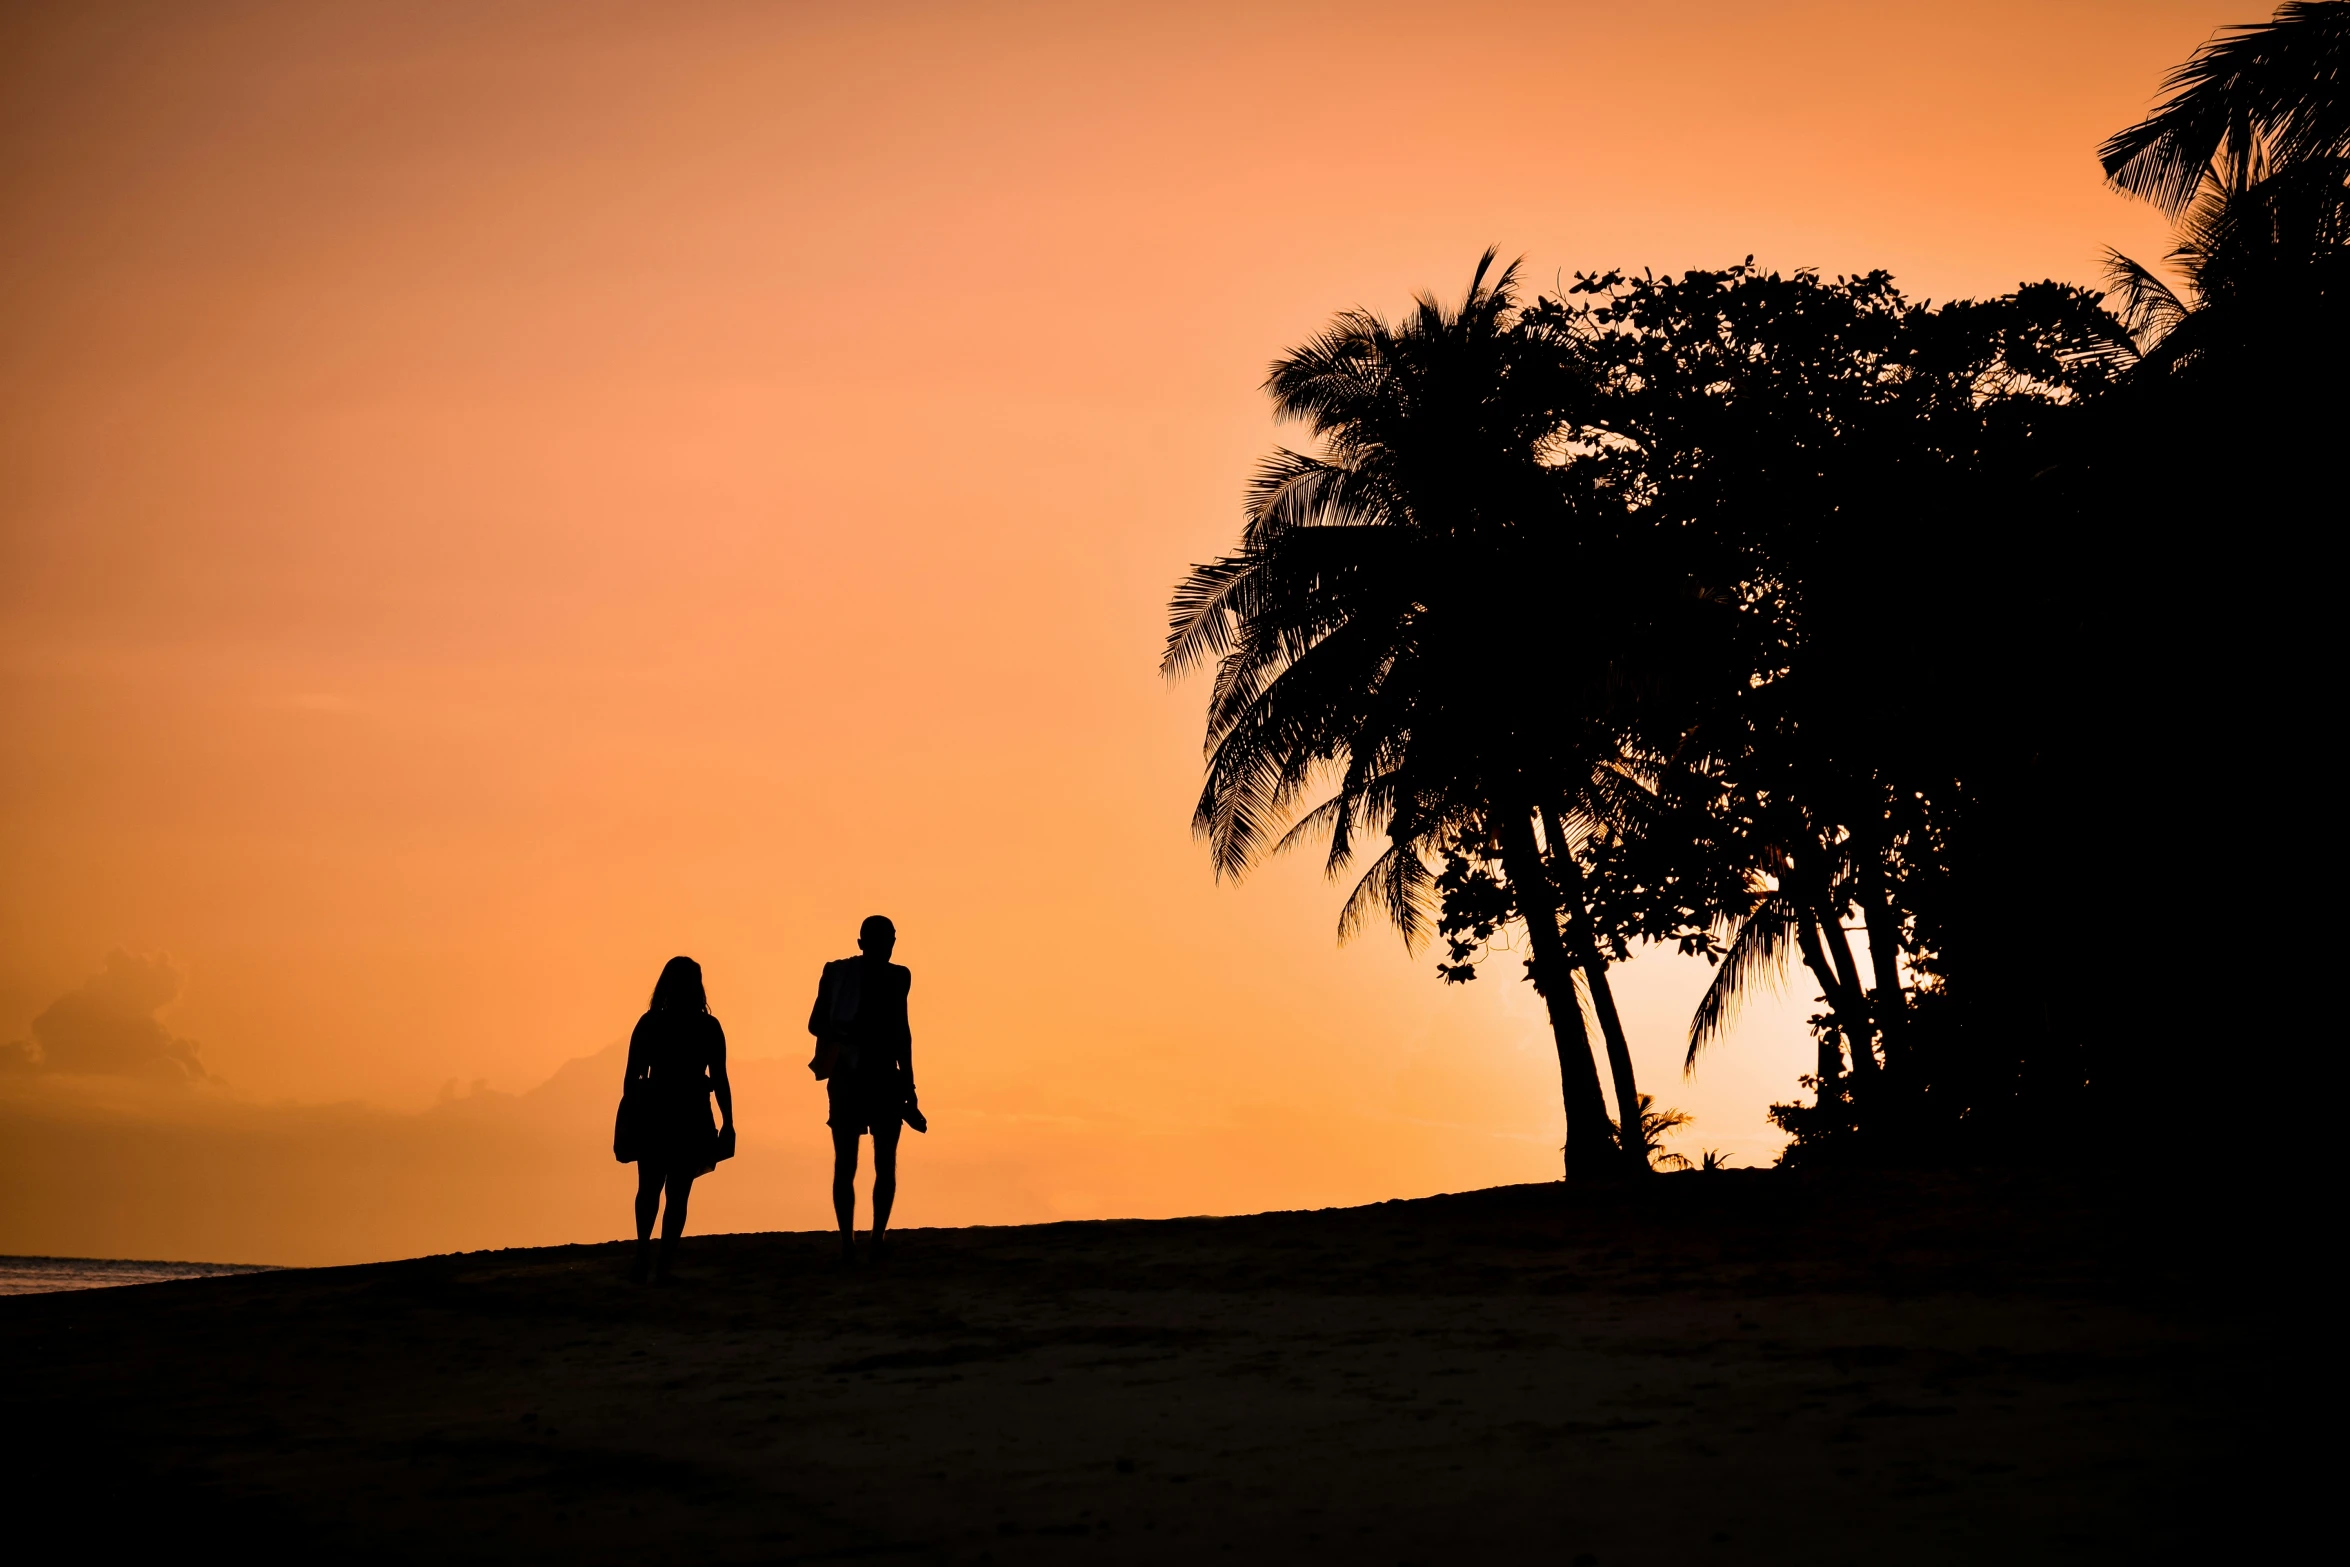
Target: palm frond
(2148, 307)
(1398, 885)
(1201, 613)
(1757, 955)
(2266, 89)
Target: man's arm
(906, 1035)
(821, 1012)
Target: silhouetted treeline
(1789, 619)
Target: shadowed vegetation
(1784, 617)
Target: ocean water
(43, 1275)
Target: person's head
(679, 989)
(877, 938)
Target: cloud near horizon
(107, 1027)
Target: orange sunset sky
(493, 495)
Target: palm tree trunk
(1816, 916)
(1859, 1033)
(1603, 998)
(1589, 1151)
(1884, 928)
(1815, 958)
(1619, 1061)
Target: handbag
(628, 1126)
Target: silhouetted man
(865, 1053)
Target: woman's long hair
(679, 989)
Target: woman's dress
(671, 1059)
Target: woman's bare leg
(681, 1191)
(648, 1197)
(885, 1178)
(648, 1202)
(844, 1188)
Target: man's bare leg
(885, 1181)
(844, 1189)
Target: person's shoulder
(902, 974)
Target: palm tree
(1755, 955)
(1379, 591)
(1655, 1125)
(1583, 934)
(2266, 266)
(1531, 871)
(2256, 97)
(2249, 157)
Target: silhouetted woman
(676, 1061)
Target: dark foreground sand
(1747, 1367)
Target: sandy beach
(1737, 1368)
